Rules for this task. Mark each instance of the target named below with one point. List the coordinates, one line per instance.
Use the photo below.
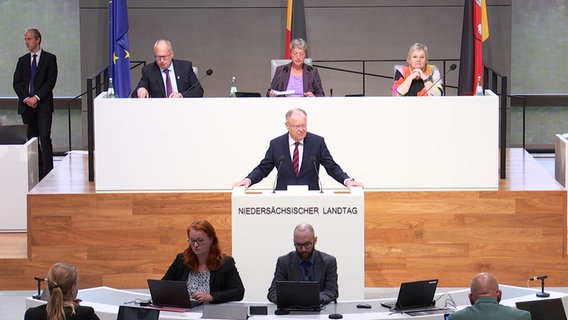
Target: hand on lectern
(352, 183)
(245, 182)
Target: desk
(106, 300)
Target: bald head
(484, 285)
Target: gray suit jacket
(487, 308)
(325, 272)
(310, 76)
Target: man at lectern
(167, 77)
(297, 155)
(307, 264)
(484, 297)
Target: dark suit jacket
(325, 272)
(311, 79)
(487, 308)
(45, 80)
(225, 284)
(185, 77)
(81, 313)
(314, 148)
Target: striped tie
(296, 159)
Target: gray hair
(291, 111)
(417, 47)
(299, 44)
(167, 42)
(35, 32)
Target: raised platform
(121, 239)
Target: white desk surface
(106, 300)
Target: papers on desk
(281, 93)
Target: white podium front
(263, 225)
(19, 172)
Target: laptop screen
(168, 293)
(16, 134)
(298, 295)
(544, 309)
(416, 294)
(134, 313)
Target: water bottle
(110, 92)
(233, 90)
(479, 89)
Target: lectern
(263, 225)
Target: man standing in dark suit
(34, 80)
(297, 154)
(307, 264)
(166, 77)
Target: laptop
(414, 296)
(544, 309)
(298, 296)
(171, 294)
(16, 134)
(242, 94)
(135, 313)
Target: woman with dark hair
(210, 275)
(63, 285)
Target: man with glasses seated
(166, 77)
(307, 264)
(297, 155)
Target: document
(281, 93)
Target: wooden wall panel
(120, 240)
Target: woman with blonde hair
(63, 285)
(417, 78)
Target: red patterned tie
(296, 159)
(168, 83)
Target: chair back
(275, 63)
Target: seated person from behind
(297, 76)
(62, 304)
(307, 264)
(167, 77)
(417, 78)
(210, 275)
(484, 297)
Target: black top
(225, 284)
(81, 313)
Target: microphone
(452, 68)
(280, 160)
(541, 294)
(335, 315)
(313, 160)
(207, 73)
(39, 281)
(331, 92)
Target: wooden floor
(107, 234)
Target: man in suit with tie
(297, 155)
(34, 79)
(166, 77)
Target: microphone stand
(335, 315)
(542, 294)
(280, 160)
(39, 281)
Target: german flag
(475, 30)
(295, 24)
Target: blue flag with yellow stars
(119, 48)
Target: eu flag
(119, 48)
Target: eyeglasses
(299, 127)
(162, 57)
(306, 245)
(199, 241)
